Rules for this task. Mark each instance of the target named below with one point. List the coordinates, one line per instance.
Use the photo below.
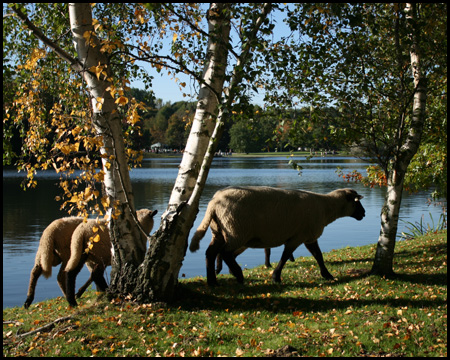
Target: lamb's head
(145, 218)
(353, 206)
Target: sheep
(265, 217)
(54, 249)
(99, 256)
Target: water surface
(27, 214)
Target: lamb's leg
(235, 269)
(82, 289)
(317, 253)
(276, 275)
(70, 281)
(61, 279)
(34, 276)
(97, 276)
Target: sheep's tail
(45, 254)
(76, 248)
(201, 230)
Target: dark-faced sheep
(265, 217)
(99, 255)
(54, 249)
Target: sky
(165, 87)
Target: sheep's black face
(359, 212)
(354, 198)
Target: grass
(357, 315)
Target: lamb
(265, 217)
(99, 256)
(54, 249)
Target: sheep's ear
(353, 196)
(154, 212)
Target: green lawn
(357, 315)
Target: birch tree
(159, 274)
(94, 67)
(384, 256)
(368, 60)
(100, 53)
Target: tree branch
(74, 63)
(193, 27)
(158, 60)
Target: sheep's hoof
(276, 279)
(72, 303)
(328, 276)
(27, 304)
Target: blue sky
(165, 87)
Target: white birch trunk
(168, 247)
(159, 275)
(128, 244)
(383, 263)
(206, 113)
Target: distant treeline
(251, 130)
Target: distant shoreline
(258, 154)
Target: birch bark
(129, 244)
(159, 272)
(383, 263)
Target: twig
(47, 327)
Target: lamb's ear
(154, 212)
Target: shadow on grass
(261, 296)
(414, 266)
(205, 298)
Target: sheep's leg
(211, 255)
(276, 275)
(267, 253)
(61, 279)
(70, 281)
(317, 253)
(219, 264)
(35, 273)
(97, 276)
(235, 269)
(82, 289)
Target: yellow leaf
(175, 36)
(122, 101)
(96, 238)
(105, 201)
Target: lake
(27, 214)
